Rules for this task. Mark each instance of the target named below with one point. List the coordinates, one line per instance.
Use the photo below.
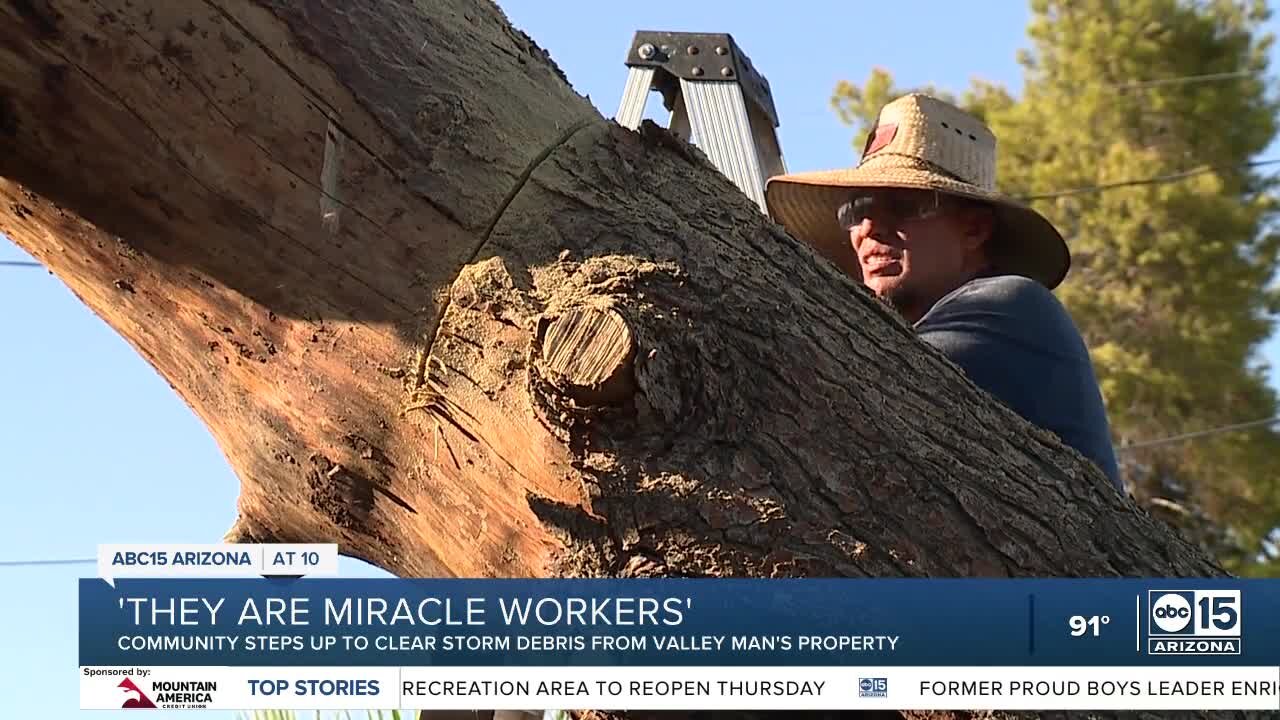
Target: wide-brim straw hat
(921, 143)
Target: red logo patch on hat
(876, 141)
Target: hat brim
(1027, 244)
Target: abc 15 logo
(1193, 613)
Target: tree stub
(588, 354)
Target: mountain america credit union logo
(130, 688)
(1193, 622)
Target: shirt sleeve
(1014, 339)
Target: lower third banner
(681, 644)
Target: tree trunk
(436, 309)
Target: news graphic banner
(681, 644)
(221, 560)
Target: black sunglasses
(894, 206)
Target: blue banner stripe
(393, 622)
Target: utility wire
(1154, 180)
(1130, 85)
(1183, 79)
(28, 563)
(1200, 433)
(1158, 82)
(19, 263)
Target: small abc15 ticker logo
(1193, 622)
(873, 687)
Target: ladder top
(702, 56)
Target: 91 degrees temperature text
(1092, 625)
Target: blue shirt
(1015, 340)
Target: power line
(1158, 82)
(19, 263)
(1183, 79)
(1153, 180)
(1079, 88)
(1200, 433)
(29, 563)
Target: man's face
(911, 246)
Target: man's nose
(868, 228)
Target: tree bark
(436, 309)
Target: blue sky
(95, 447)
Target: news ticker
(666, 688)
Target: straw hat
(922, 143)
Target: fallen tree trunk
(434, 308)
(437, 309)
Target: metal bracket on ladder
(716, 98)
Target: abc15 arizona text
(1193, 622)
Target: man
(920, 222)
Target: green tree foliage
(1171, 281)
